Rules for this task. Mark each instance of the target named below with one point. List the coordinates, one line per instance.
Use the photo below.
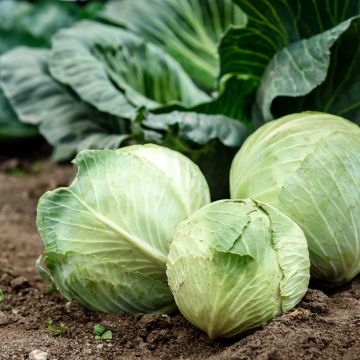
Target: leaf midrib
(153, 253)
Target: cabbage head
(308, 166)
(107, 235)
(236, 264)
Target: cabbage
(236, 264)
(107, 235)
(307, 165)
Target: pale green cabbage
(308, 166)
(107, 235)
(236, 264)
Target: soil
(323, 326)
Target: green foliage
(300, 53)
(188, 30)
(101, 333)
(23, 23)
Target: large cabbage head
(236, 264)
(107, 235)
(308, 166)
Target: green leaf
(44, 274)
(10, 127)
(65, 121)
(199, 129)
(189, 30)
(2, 295)
(273, 25)
(328, 81)
(99, 329)
(107, 335)
(13, 29)
(306, 165)
(330, 224)
(116, 71)
(290, 49)
(24, 23)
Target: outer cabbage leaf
(339, 93)
(105, 281)
(189, 30)
(234, 265)
(10, 127)
(116, 71)
(25, 23)
(199, 129)
(66, 122)
(291, 48)
(337, 73)
(306, 165)
(110, 231)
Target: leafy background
(194, 75)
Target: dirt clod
(316, 301)
(4, 319)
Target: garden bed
(322, 326)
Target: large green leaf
(25, 23)
(189, 30)
(199, 129)
(233, 100)
(32, 24)
(10, 127)
(66, 122)
(326, 82)
(117, 71)
(288, 48)
(106, 285)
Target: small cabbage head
(107, 235)
(236, 264)
(308, 166)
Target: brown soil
(323, 326)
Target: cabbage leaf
(188, 30)
(301, 54)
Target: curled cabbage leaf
(107, 235)
(236, 264)
(307, 165)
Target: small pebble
(20, 283)
(38, 355)
(4, 320)
(99, 346)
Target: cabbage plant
(107, 235)
(32, 24)
(236, 264)
(307, 165)
(302, 55)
